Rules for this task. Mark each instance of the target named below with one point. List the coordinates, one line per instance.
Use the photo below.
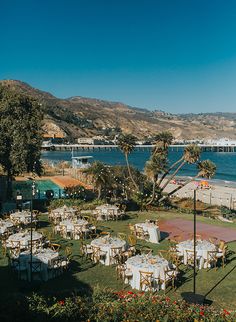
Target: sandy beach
(217, 194)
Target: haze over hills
(81, 117)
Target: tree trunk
(178, 188)
(168, 171)
(99, 192)
(130, 174)
(9, 185)
(153, 193)
(173, 175)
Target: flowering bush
(70, 309)
(123, 306)
(133, 307)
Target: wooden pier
(110, 147)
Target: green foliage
(79, 192)
(126, 143)
(81, 204)
(206, 169)
(157, 170)
(68, 309)
(109, 306)
(101, 177)
(20, 132)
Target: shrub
(108, 306)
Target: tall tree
(153, 167)
(100, 176)
(126, 143)
(206, 169)
(156, 168)
(20, 132)
(191, 155)
(164, 139)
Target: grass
(218, 286)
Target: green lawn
(83, 276)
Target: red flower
(174, 302)
(226, 312)
(130, 292)
(167, 299)
(201, 313)
(61, 302)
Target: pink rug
(178, 226)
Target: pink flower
(226, 312)
(61, 302)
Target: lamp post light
(193, 297)
(194, 241)
(31, 227)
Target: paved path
(182, 227)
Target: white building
(221, 142)
(81, 162)
(91, 141)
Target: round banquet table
(64, 209)
(146, 263)
(21, 217)
(23, 238)
(152, 229)
(45, 256)
(104, 212)
(106, 244)
(202, 247)
(70, 225)
(4, 225)
(63, 212)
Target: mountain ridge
(79, 116)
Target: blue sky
(178, 56)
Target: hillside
(78, 116)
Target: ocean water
(225, 162)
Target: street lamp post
(194, 242)
(193, 297)
(31, 228)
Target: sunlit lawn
(83, 275)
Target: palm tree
(126, 143)
(206, 169)
(164, 139)
(153, 167)
(100, 175)
(191, 155)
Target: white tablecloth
(144, 263)
(44, 256)
(70, 224)
(202, 247)
(152, 229)
(4, 225)
(106, 244)
(64, 209)
(23, 238)
(21, 217)
(103, 212)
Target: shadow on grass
(220, 281)
(164, 235)
(43, 224)
(183, 278)
(60, 287)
